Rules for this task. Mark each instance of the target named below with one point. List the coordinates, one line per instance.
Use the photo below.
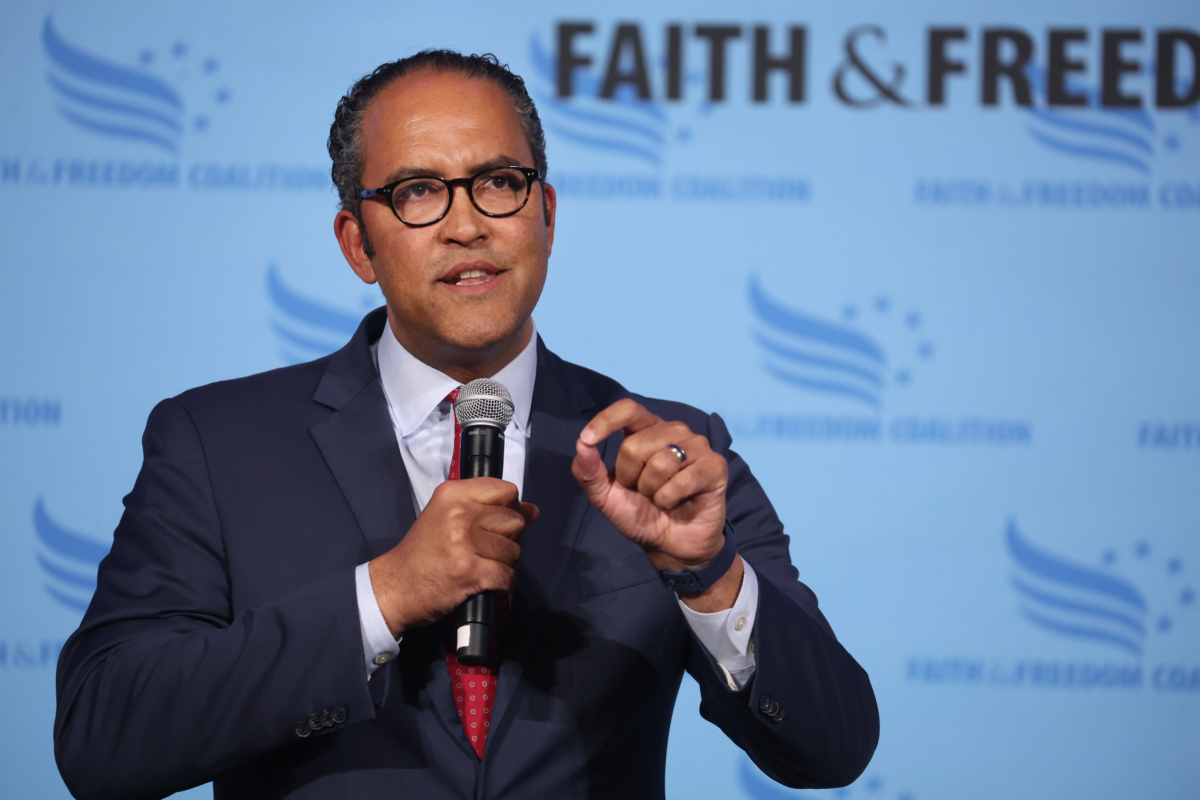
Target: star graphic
(1142, 549)
(684, 134)
(849, 312)
(200, 123)
(1174, 566)
(1110, 557)
(1164, 624)
(210, 65)
(904, 796)
(913, 319)
(147, 57)
(179, 49)
(222, 95)
(1171, 142)
(882, 304)
(1187, 597)
(925, 349)
(903, 378)
(874, 784)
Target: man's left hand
(673, 509)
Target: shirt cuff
(728, 635)
(378, 645)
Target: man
(270, 616)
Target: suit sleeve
(163, 687)
(808, 718)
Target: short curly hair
(345, 135)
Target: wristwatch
(697, 580)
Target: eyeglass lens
(422, 200)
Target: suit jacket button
(770, 708)
(302, 730)
(315, 721)
(338, 716)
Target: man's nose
(463, 222)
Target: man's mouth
(472, 277)
(471, 274)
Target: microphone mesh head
(484, 402)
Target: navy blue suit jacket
(225, 618)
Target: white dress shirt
(424, 425)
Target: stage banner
(935, 264)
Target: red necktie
(474, 687)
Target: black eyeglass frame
(530, 174)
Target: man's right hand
(463, 543)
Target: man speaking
(277, 612)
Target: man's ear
(549, 207)
(353, 241)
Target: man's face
(450, 126)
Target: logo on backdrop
(1094, 131)
(142, 108)
(616, 120)
(849, 366)
(306, 328)
(639, 92)
(1095, 604)
(132, 103)
(1005, 56)
(835, 357)
(68, 560)
(1131, 601)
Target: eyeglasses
(497, 192)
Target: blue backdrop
(936, 266)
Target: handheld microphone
(483, 410)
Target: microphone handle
(481, 455)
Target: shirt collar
(414, 389)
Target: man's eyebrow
(402, 173)
(493, 163)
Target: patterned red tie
(474, 687)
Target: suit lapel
(360, 448)
(359, 444)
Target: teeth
(473, 276)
